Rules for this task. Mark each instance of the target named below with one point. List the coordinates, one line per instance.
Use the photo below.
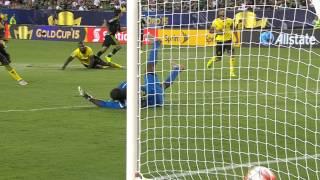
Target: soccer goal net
(248, 93)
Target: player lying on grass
(86, 57)
(153, 89)
(5, 57)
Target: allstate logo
(266, 38)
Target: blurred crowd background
(200, 5)
(151, 5)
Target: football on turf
(260, 173)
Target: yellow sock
(211, 61)
(108, 59)
(115, 65)
(232, 64)
(13, 73)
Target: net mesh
(214, 126)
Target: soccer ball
(260, 173)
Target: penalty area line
(43, 109)
(236, 166)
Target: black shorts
(110, 40)
(97, 63)
(4, 57)
(221, 47)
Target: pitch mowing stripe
(44, 109)
(236, 166)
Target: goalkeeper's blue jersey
(113, 104)
(152, 87)
(123, 86)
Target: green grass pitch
(70, 140)
(48, 132)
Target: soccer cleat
(108, 59)
(23, 82)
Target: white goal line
(43, 109)
(86, 106)
(236, 166)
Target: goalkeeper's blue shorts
(154, 90)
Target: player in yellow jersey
(5, 57)
(222, 27)
(86, 57)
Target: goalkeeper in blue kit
(152, 88)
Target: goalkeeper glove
(84, 94)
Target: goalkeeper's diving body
(152, 88)
(222, 28)
(5, 59)
(86, 57)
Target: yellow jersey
(225, 26)
(83, 57)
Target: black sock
(99, 53)
(114, 51)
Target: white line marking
(174, 99)
(236, 166)
(43, 109)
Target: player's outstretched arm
(97, 102)
(153, 56)
(90, 98)
(100, 103)
(70, 58)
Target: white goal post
(213, 125)
(132, 91)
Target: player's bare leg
(5, 61)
